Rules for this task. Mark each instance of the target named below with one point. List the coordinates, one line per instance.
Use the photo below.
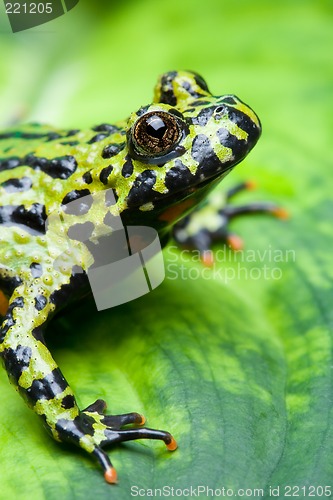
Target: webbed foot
(210, 223)
(92, 431)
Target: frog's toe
(230, 211)
(114, 436)
(117, 421)
(114, 421)
(109, 430)
(99, 406)
(264, 207)
(234, 241)
(110, 474)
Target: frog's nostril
(219, 110)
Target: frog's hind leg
(38, 379)
(210, 222)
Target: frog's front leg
(38, 379)
(210, 222)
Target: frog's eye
(155, 134)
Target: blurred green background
(240, 372)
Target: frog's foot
(92, 431)
(211, 223)
(228, 212)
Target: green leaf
(236, 361)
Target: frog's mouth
(197, 190)
(180, 183)
(213, 178)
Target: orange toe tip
(207, 258)
(110, 476)
(172, 446)
(250, 185)
(142, 419)
(281, 213)
(235, 242)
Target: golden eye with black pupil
(156, 132)
(155, 136)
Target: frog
(161, 164)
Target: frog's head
(184, 144)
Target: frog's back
(42, 168)
(34, 162)
(38, 161)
